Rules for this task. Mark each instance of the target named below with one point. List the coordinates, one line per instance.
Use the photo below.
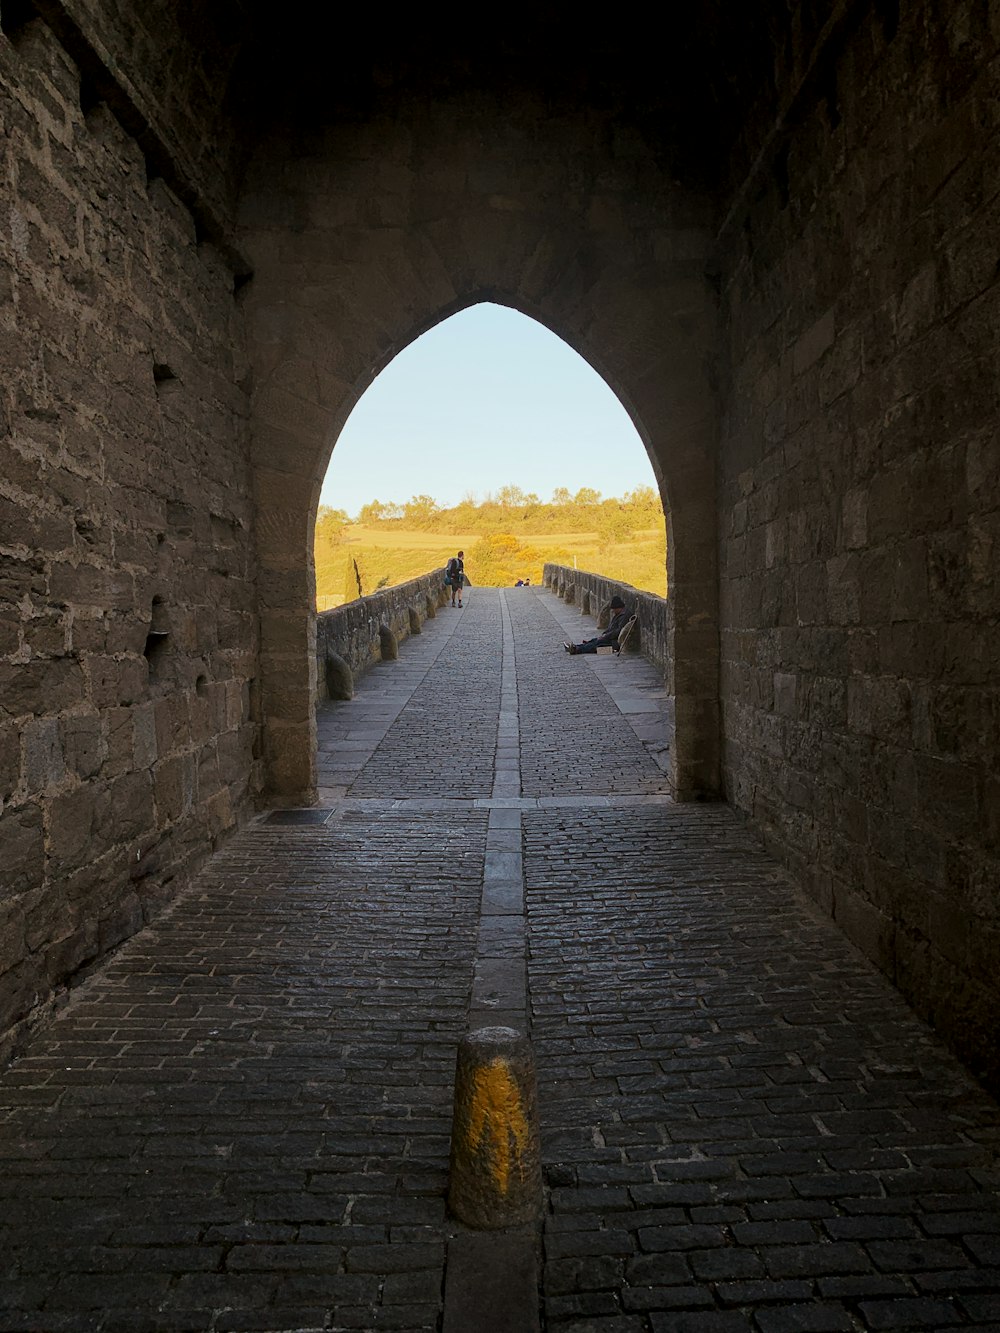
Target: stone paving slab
(242, 1121)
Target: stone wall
(127, 601)
(860, 489)
(164, 72)
(356, 631)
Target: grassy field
(390, 555)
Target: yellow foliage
(622, 539)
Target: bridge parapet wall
(593, 592)
(355, 632)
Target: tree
(510, 497)
(644, 502)
(330, 524)
(615, 525)
(586, 495)
(561, 496)
(420, 510)
(353, 581)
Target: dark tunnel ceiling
(685, 75)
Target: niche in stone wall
(15, 15)
(164, 379)
(157, 639)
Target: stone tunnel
(772, 230)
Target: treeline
(508, 536)
(508, 510)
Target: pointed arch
(334, 300)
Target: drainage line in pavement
(491, 1280)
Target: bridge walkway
(241, 1121)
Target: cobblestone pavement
(744, 1127)
(242, 1121)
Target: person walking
(455, 574)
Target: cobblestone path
(242, 1121)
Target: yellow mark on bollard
(497, 1121)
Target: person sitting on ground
(619, 619)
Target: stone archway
(378, 231)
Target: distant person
(609, 637)
(454, 576)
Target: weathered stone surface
(859, 458)
(338, 677)
(124, 497)
(495, 1173)
(354, 632)
(388, 646)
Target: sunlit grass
(387, 556)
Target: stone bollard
(570, 593)
(414, 622)
(388, 646)
(585, 604)
(496, 1175)
(339, 677)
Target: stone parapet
(593, 592)
(367, 630)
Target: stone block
(172, 726)
(69, 954)
(492, 1284)
(173, 788)
(21, 577)
(91, 585)
(10, 759)
(43, 757)
(83, 747)
(13, 937)
(120, 923)
(879, 707)
(21, 989)
(948, 797)
(865, 926)
(125, 810)
(22, 847)
(71, 824)
(116, 682)
(41, 687)
(785, 694)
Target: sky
(485, 399)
